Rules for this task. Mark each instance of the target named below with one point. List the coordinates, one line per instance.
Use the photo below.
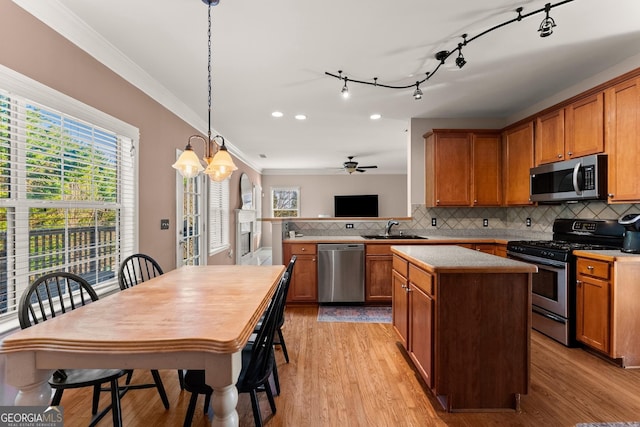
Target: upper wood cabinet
(549, 146)
(584, 126)
(517, 144)
(574, 131)
(462, 168)
(622, 106)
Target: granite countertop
(428, 239)
(451, 258)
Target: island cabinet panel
(400, 308)
(303, 287)
(468, 324)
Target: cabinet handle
(579, 283)
(590, 267)
(570, 153)
(303, 249)
(437, 201)
(610, 195)
(559, 156)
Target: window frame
(25, 90)
(220, 212)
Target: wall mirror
(246, 192)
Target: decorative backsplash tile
(512, 219)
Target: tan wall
(317, 191)
(43, 55)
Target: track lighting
(547, 24)
(546, 29)
(417, 94)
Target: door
(189, 220)
(518, 159)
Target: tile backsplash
(454, 220)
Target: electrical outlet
(164, 224)
(434, 222)
(485, 222)
(349, 225)
(528, 222)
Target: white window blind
(67, 193)
(218, 216)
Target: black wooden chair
(258, 363)
(135, 269)
(53, 295)
(279, 340)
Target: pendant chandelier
(219, 166)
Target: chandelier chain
(209, 69)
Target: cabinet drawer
(376, 249)
(302, 248)
(421, 279)
(590, 267)
(401, 266)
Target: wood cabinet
(463, 327)
(574, 131)
(606, 305)
(584, 126)
(462, 168)
(549, 137)
(378, 266)
(304, 280)
(593, 302)
(517, 143)
(622, 107)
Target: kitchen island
(464, 318)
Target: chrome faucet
(390, 224)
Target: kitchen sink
(393, 236)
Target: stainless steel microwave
(584, 178)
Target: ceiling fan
(351, 166)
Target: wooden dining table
(194, 317)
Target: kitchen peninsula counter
(464, 318)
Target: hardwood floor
(355, 374)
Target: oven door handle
(536, 260)
(549, 316)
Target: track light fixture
(219, 166)
(546, 29)
(547, 24)
(417, 94)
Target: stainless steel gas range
(554, 286)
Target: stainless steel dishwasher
(340, 272)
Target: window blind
(67, 195)
(218, 216)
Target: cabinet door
(584, 121)
(486, 170)
(400, 308)
(378, 278)
(304, 281)
(593, 313)
(421, 312)
(448, 169)
(550, 137)
(622, 109)
(518, 159)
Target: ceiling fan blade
(367, 167)
(361, 170)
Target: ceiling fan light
(188, 164)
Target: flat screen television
(365, 205)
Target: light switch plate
(164, 224)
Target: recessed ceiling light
(375, 116)
(301, 117)
(263, 156)
(277, 114)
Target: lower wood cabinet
(421, 322)
(378, 266)
(304, 281)
(606, 300)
